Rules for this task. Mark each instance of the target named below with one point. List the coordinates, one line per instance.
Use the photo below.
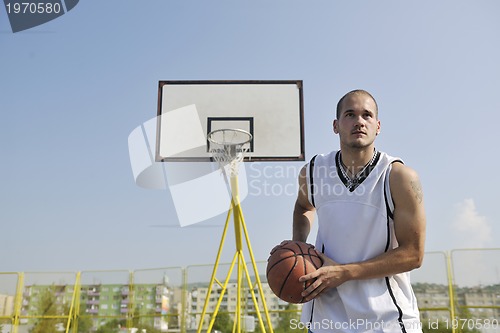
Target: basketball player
(371, 229)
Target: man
(371, 229)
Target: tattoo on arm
(417, 190)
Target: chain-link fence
(457, 291)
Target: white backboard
(272, 111)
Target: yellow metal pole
(18, 302)
(214, 271)
(257, 277)
(238, 294)
(239, 224)
(74, 308)
(183, 300)
(239, 248)
(451, 289)
(223, 291)
(235, 196)
(254, 299)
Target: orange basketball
(286, 264)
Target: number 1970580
(33, 8)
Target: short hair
(355, 92)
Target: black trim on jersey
(311, 180)
(390, 216)
(389, 212)
(312, 191)
(339, 172)
(359, 180)
(312, 311)
(388, 241)
(400, 318)
(312, 306)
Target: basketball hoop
(228, 147)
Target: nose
(359, 121)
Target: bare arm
(303, 213)
(409, 227)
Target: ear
(378, 127)
(335, 127)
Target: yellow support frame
(239, 230)
(18, 303)
(74, 310)
(451, 290)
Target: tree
(111, 326)
(223, 322)
(286, 318)
(46, 307)
(143, 322)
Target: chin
(360, 145)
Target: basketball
(286, 264)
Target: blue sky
(73, 89)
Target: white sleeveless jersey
(356, 225)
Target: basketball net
(228, 148)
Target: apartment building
(6, 305)
(198, 295)
(101, 303)
(477, 302)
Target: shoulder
(323, 159)
(317, 162)
(404, 181)
(402, 172)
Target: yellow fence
(457, 291)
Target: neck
(356, 159)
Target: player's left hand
(330, 275)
